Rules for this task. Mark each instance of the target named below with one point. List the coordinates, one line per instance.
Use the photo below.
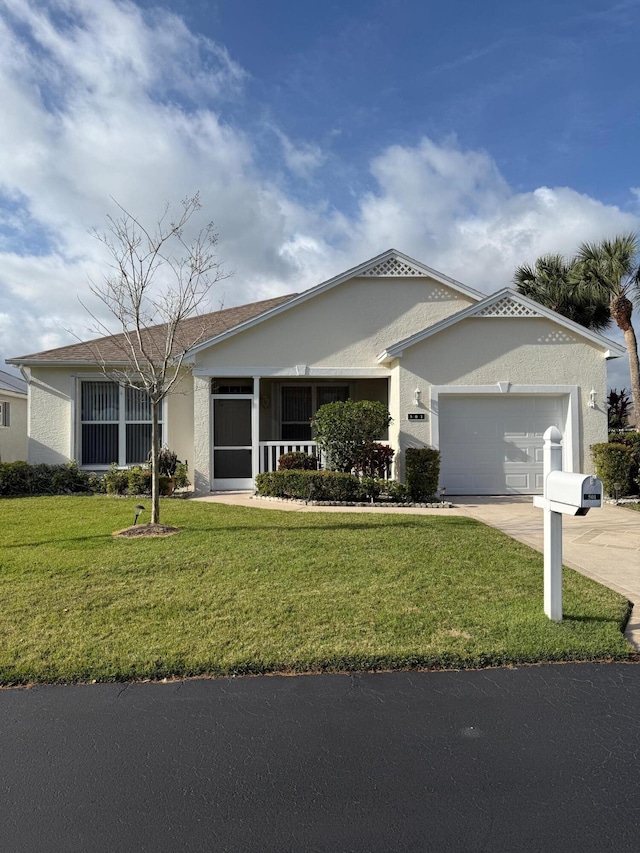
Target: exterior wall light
(416, 397)
(592, 399)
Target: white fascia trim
(17, 395)
(610, 348)
(61, 362)
(277, 372)
(571, 434)
(354, 272)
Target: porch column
(202, 434)
(255, 428)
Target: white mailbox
(564, 493)
(572, 494)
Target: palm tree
(553, 282)
(609, 269)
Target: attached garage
(491, 444)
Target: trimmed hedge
(329, 486)
(613, 462)
(20, 478)
(422, 472)
(630, 439)
(311, 485)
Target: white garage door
(492, 445)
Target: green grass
(246, 590)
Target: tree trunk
(621, 310)
(155, 474)
(634, 371)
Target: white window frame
(314, 401)
(5, 414)
(122, 425)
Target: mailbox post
(564, 494)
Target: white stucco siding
(13, 438)
(179, 419)
(347, 326)
(50, 415)
(532, 352)
(521, 351)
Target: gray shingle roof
(10, 382)
(112, 348)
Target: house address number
(416, 416)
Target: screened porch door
(232, 450)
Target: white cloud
(454, 210)
(301, 159)
(103, 100)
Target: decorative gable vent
(393, 267)
(508, 307)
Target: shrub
(167, 462)
(297, 461)
(371, 487)
(311, 485)
(116, 481)
(181, 477)
(422, 472)
(613, 462)
(342, 428)
(396, 491)
(15, 478)
(139, 480)
(373, 459)
(618, 408)
(632, 441)
(20, 478)
(70, 479)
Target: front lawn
(247, 590)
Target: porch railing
(271, 451)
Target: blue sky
(472, 136)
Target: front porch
(252, 421)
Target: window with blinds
(5, 417)
(115, 424)
(299, 404)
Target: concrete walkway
(604, 545)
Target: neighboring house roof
(12, 384)
(112, 349)
(504, 303)
(389, 264)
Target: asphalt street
(531, 759)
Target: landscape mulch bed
(138, 530)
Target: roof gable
(390, 264)
(505, 303)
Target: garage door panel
(518, 482)
(513, 453)
(493, 445)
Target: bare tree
(156, 286)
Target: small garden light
(139, 509)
